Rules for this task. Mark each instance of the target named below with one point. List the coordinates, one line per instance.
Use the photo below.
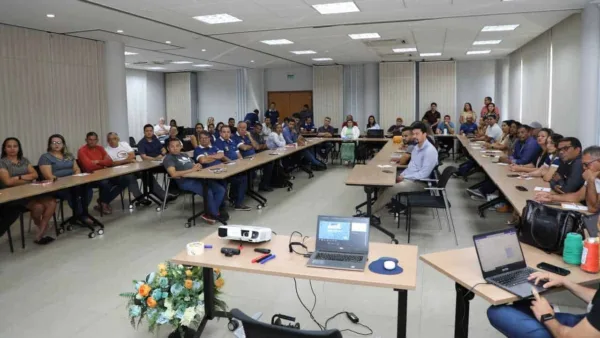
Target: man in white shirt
(493, 132)
(121, 154)
(276, 139)
(266, 127)
(161, 130)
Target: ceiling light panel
(336, 8)
(477, 52)
(404, 50)
(50, 15)
(155, 68)
(362, 36)
(303, 52)
(277, 42)
(181, 62)
(486, 42)
(203, 65)
(431, 54)
(322, 59)
(217, 18)
(499, 28)
(130, 53)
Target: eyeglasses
(564, 148)
(56, 142)
(587, 164)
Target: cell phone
(554, 269)
(513, 175)
(521, 188)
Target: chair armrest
(428, 180)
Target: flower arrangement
(172, 295)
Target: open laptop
(342, 243)
(375, 133)
(502, 262)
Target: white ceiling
(445, 26)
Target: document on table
(525, 178)
(542, 189)
(81, 174)
(572, 206)
(120, 166)
(500, 163)
(384, 166)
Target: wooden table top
(257, 160)
(291, 265)
(462, 266)
(372, 173)
(30, 190)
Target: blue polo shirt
(289, 136)
(468, 128)
(229, 148)
(206, 151)
(251, 118)
(308, 126)
(246, 141)
(152, 148)
(526, 152)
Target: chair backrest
(39, 172)
(445, 176)
(132, 142)
(256, 329)
(336, 130)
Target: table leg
(369, 192)
(402, 313)
(461, 317)
(262, 201)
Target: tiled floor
(70, 288)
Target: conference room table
(34, 189)
(292, 265)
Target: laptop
(375, 133)
(502, 262)
(342, 243)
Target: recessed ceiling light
(336, 8)
(252, 61)
(120, 31)
(217, 18)
(431, 54)
(302, 52)
(203, 65)
(499, 28)
(487, 42)
(204, 50)
(277, 42)
(50, 15)
(155, 68)
(322, 59)
(364, 36)
(404, 50)
(475, 52)
(168, 42)
(181, 62)
(130, 53)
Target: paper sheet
(384, 166)
(571, 206)
(542, 189)
(82, 174)
(500, 163)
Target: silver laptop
(342, 243)
(502, 262)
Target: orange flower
(188, 284)
(151, 302)
(217, 271)
(144, 290)
(188, 273)
(162, 267)
(163, 273)
(219, 283)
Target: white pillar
(371, 99)
(116, 90)
(590, 75)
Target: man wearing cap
(535, 128)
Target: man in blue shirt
(325, 131)
(447, 127)
(251, 118)
(291, 137)
(308, 126)
(248, 146)
(149, 147)
(424, 158)
(272, 114)
(239, 183)
(469, 127)
(526, 150)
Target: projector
(245, 233)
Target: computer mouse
(389, 265)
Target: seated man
(493, 131)
(276, 139)
(308, 126)
(266, 127)
(149, 147)
(122, 153)
(568, 177)
(398, 127)
(526, 149)
(231, 124)
(239, 183)
(178, 165)
(446, 127)
(291, 137)
(589, 192)
(408, 144)
(161, 130)
(536, 318)
(424, 158)
(258, 136)
(325, 131)
(93, 157)
(248, 147)
(469, 127)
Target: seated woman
(195, 139)
(349, 132)
(542, 140)
(16, 170)
(372, 124)
(59, 162)
(552, 161)
(504, 142)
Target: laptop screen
(343, 234)
(499, 251)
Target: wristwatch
(546, 317)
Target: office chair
(256, 329)
(168, 180)
(132, 142)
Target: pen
(260, 258)
(267, 259)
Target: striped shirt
(21, 168)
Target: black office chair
(132, 142)
(256, 329)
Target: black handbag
(546, 228)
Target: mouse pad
(377, 266)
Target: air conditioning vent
(396, 43)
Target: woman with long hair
(195, 139)
(59, 162)
(350, 132)
(372, 124)
(467, 111)
(218, 129)
(551, 162)
(504, 142)
(16, 170)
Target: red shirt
(484, 112)
(86, 155)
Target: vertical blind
(514, 96)
(536, 79)
(50, 84)
(179, 99)
(328, 93)
(137, 102)
(437, 83)
(396, 92)
(354, 89)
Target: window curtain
(437, 83)
(328, 97)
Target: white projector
(245, 233)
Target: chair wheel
(289, 189)
(157, 209)
(232, 325)
(61, 230)
(187, 225)
(131, 207)
(92, 235)
(293, 177)
(481, 214)
(100, 231)
(259, 207)
(69, 228)
(395, 241)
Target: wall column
(590, 75)
(116, 90)
(371, 91)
